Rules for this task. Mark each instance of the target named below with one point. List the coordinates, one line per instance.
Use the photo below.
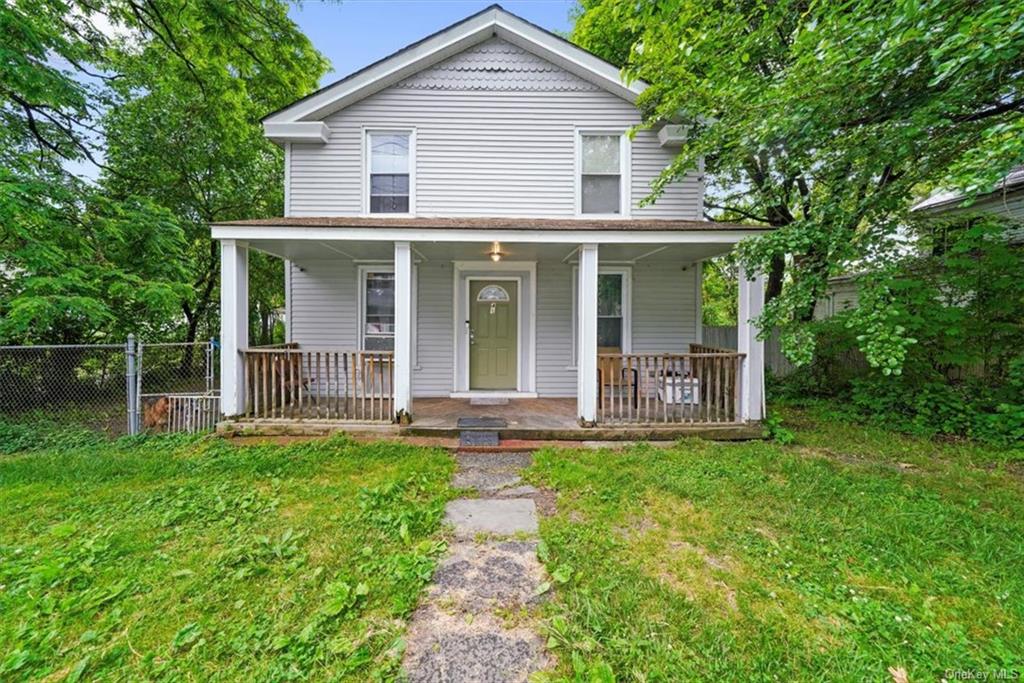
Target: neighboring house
(840, 295)
(463, 225)
(1006, 201)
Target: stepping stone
(502, 462)
(485, 481)
(523, 491)
(443, 647)
(478, 439)
(494, 516)
(480, 576)
(481, 423)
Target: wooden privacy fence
(725, 337)
(700, 387)
(288, 382)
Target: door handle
(472, 337)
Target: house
(1005, 202)
(463, 226)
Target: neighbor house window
(389, 169)
(378, 310)
(600, 174)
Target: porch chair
(616, 369)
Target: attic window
(390, 165)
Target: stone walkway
(479, 619)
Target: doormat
(481, 423)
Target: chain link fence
(72, 385)
(112, 388)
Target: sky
(355, 33)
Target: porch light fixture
(496, 252)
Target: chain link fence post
(209, 366)
(131, 382)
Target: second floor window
(601, 174)
(389, 172)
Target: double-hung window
(378, 310)
(390, 171)
(601, 185)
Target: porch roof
(497, 224)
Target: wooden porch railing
(327, 384)
(681, 388)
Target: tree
(75, 266)
(165, 97)
(186, 130)
(824, 119)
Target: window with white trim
(614, 309)
(378, 310)
(610, 311)
(600, 165)
(390, 171)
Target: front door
(493, 334)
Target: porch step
(477, 438)
(481, 423)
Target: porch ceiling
(307, 250)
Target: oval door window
(492, 293)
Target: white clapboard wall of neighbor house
(489, 141)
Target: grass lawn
(845, 553)
(196, 559)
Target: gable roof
(941, 202)
(301, 120)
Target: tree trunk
(773, 287)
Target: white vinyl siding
(664, 308)
(433, 373)
(481, 152)
(555, 377)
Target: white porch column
(586, 335)
(751, 305)
(403, 329)
(234, 324)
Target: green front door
(493, 334)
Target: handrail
(309, 383)
(656, 388)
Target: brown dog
(154, 416)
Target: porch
(289, 383)
(556, 335)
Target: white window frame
(625, 157)
(627, 307)
(366, 158)
(383, 267)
